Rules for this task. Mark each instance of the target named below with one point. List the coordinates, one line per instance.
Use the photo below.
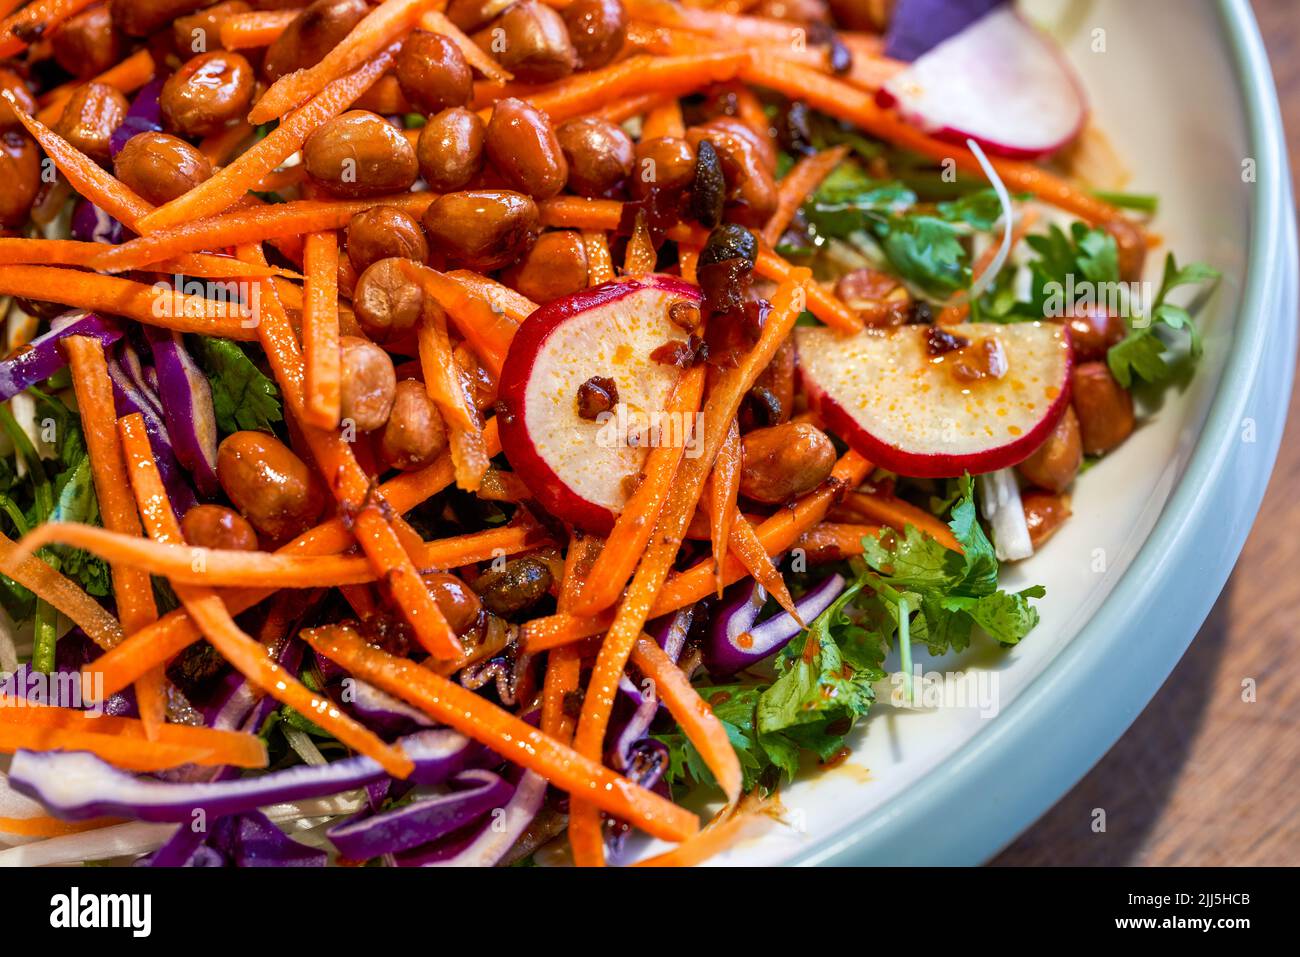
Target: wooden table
(1203, 777)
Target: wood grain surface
(1204, 777)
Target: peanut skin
(783, 461)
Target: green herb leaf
(242, 396)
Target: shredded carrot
(385, 98)
(350, 484)
(209, 613)
(564, 665)
(46, 826)
(585, 92)
(37, 19)
(693, 714)
(712, 840)
(719, 412)
(777, 534)
(125, 77)
(230, 184)
(380, 27)
(627, 541)
(131, 754)
(488, 331)
(834, 541)
(220, 146)
(798, 185)
(132, 589)
(450, 391)
(47, 584)
(435, 21)
(600, 265)
(218, 568)
(247, 748)
(664, 120)
(621, 110)
(510, 737)
(84, 174)
(249, 225)
(71, 252)
(723, 492)
(175, 631)
(256, 28)
(639, 260)
(320, 329)
(896, 513)
(115, 296)
(746, 546)
(845, 102)
(499, 296)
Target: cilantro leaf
(1141, 353)
(242, 396)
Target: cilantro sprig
(1141, 353)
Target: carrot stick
(257, 28)
(745, 545)
(320, 330)
(797, 186)
(488, 331)
(249, 750)
(576, 212)
(499, 296)
(175, 631)
(37, 19)
(693, 714)
(220, 146)
(380, 27)
(897, 514)
(130, 754)
(715, 22)
(508, 736)
(620, 111)
(719, 412)
(208, 611)
(639, 260)
(724, 491)
(627, 541)
(218, 568)
(450, 392)
(564, 665)
(71, 252)
(844, 102)
(585, 92)
(248, 225)
(132, 589)
(664, 120)
(712, 840)
(125, 77)
(113, 295)
(385, 98)
(834, 541)
(435, 21)
(230, 184)
(84, 174)
(47, 584)
(46, 826)
(600, 265)
(350, 484)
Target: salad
(488, 432)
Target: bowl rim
(1015, 769)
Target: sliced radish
(1000, 82)
(578, 468)
(906, 410)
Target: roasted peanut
(160, 167)
(386, 302)
(206, 93)
(879, 298)
(597, 29)
(665, 163)
(140, 18)
(20, 172)
(415, 434)
(450, 149)
(872, 15)
(1044, 514)
(556, 266)
(359, 154)
(1103, 407)
(89, 118)
(482, 229)
(17, 87)
(1093, 332)
(1055, 463)
(201, 30)
(274, 489)
(456, 600)
(469, 15)
(433, 73)
(600, 155)
(215, 526)
(1131, 243)
(522, 144)
(531, 41)
(87, 44)
(784, 461)
(385, 232)
(315, 31)
(515, 587)
(368, 383)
